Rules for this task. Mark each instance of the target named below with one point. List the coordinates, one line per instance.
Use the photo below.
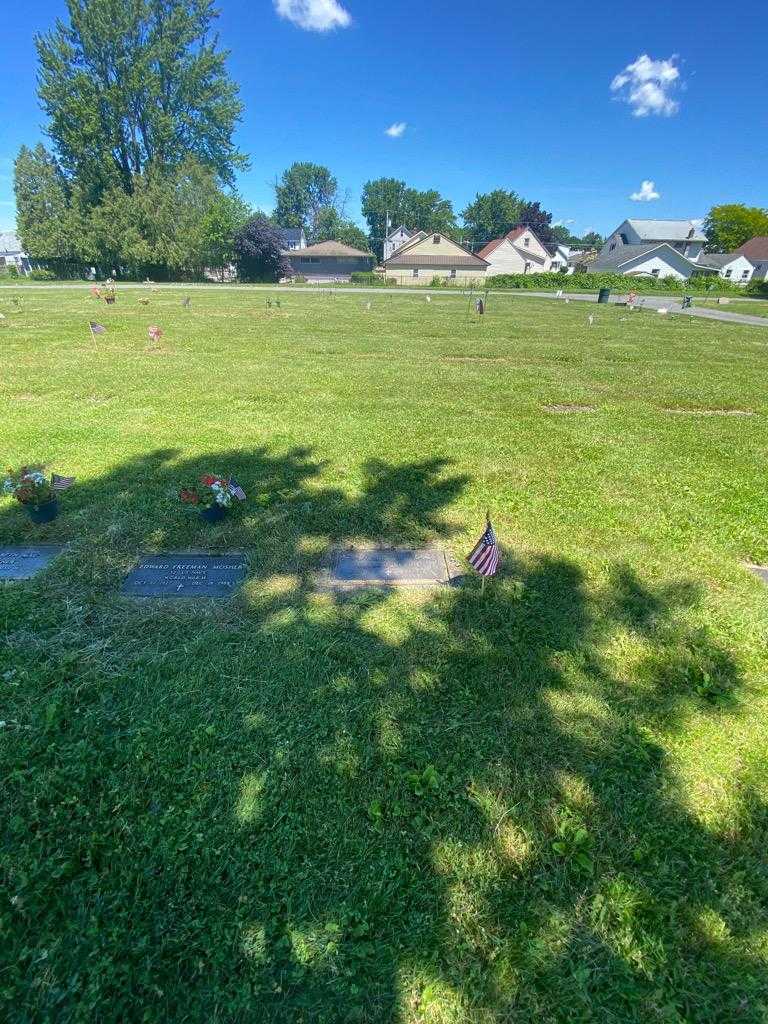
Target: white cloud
(646, 193)
(314, 15)
(646, 85)
(396, 130)
(563, 223)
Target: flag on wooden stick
(186, 302)
(485, 556)
(97, 328)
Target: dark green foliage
(258, 248)
(368, 278)
(704, 285)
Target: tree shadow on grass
(372, 807)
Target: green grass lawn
(542, 802)
(754, 307)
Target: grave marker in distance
(186, 574)
(22, 563)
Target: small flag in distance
(154, 332)
(97, 328)
(485, 556)
(186, 302)
(61, 483)
(235, 489)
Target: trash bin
(603, 295)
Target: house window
(436, 239)
(312, 259)
(613, 246)
(655, 272)
(528, 266)
(415, 271)
(727, 273)
(527, 241)
(744, 274)
(453, 272)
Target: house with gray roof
(328, 261)
(654, 248)
(756, 251)
(731, 266)
(395, 238)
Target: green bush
(367, 277)
(12, 271)
(42, 275)
(704, 284)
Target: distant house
(731, 266)
(683, 236)
(520, 251)
(427, 256)
(328, 261)
(293, 238)
(395, 239)
(654, 259)
(12, 253)
(756, 251)
(560, 254)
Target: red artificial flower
(207, 480)
(191, 497)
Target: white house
(564, 258)
(11, 252)
(656, 259)
(731, 266)
(682, 235)
(756, 251)
(395, 239)
(518, 252)
(293, 238)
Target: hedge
(697, 285)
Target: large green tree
(491, 215)
(330, 226)
(730, 226)
(47, 219)
(130, 83)
(303, 193)
(392, 198)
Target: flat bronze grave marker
(186, 574)
(388, 567)
(22, 563)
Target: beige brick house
(425, 257)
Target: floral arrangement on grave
(109, 293)
(38, 493)
(213, 496)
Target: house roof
(667, 230)
(626, 253)
(396, 231)
(719, 259)
(405, 257)
(327, 249)
(511, 236)
(10, 242)
(755, 249)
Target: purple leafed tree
(258, 248)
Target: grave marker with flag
(485, 557)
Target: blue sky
(492, 94)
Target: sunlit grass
(542, 802)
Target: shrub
(42, 275)
(299, 279)
(12, 271)
(585, 282)
(367, 277)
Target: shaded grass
(546, 802)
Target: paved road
(646, 301)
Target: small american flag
(61, 483)
(186, 302)
(235, 489)
(154, 333)
(485, 556)
(97, 328)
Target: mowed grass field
(545, 801)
